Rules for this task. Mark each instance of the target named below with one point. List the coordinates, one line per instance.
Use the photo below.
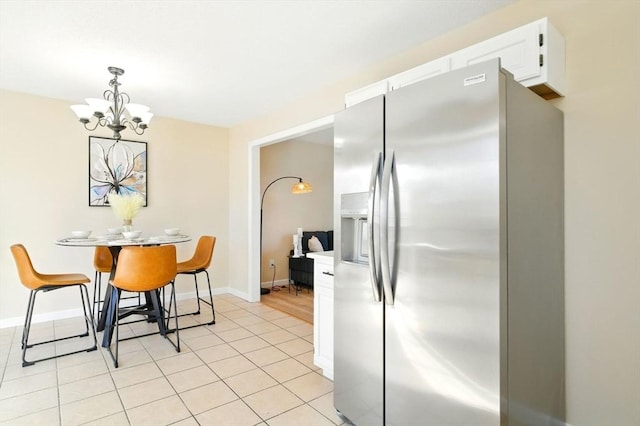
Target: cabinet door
(518, 50)
(323, 340)
(367, 92)
(420, 73)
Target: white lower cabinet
(323, 311)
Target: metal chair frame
(97, 287)
(29, 316)
(153, 310)
(198, 298)
(195, 273)
(156, 314)
(40, 285)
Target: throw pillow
(321, 235)
(315, 244)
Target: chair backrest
(102, 259)
(145, 268)
(204, 252)
(28, 276)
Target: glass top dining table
(115, 243)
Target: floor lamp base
(264, 290)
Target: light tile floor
(253, 367)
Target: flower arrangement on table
(126, 207)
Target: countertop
(321, 255)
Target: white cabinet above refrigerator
(533, 53)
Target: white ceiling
(214, 62)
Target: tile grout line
(238, 326)
(223, 380)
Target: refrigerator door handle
(388, 273)
(374, 261)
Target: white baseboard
(71, 313)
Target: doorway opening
(255, 261)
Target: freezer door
(442, 349)
(358, 333)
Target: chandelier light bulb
(98, 106)
(83, 112)
(136, 111)
(146, 118)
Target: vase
(126, 225)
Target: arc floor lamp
(300, 187)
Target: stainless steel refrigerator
(449, 255)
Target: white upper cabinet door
(533, 53)
(419, 73)
(518, 51)
(367, 92)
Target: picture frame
(116, 166)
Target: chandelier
(110, 111)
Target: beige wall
(284, 212)
(44, 184)
(602, 199)
(43, 176)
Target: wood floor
(300, 306)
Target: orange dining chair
(37, 282)
(102, 263)
(199, 262)
(143, 269)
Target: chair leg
(164, 306)
(175, 307)
(85, 307)
(27, 328)
(97, 291)
(115, 361)
(88, 319)
(213, 312)
(198, 298)
(27, 321)
(195, 280)
(167, 311)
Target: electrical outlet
(272, 263)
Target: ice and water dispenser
(353, 221)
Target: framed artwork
(116, 166)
